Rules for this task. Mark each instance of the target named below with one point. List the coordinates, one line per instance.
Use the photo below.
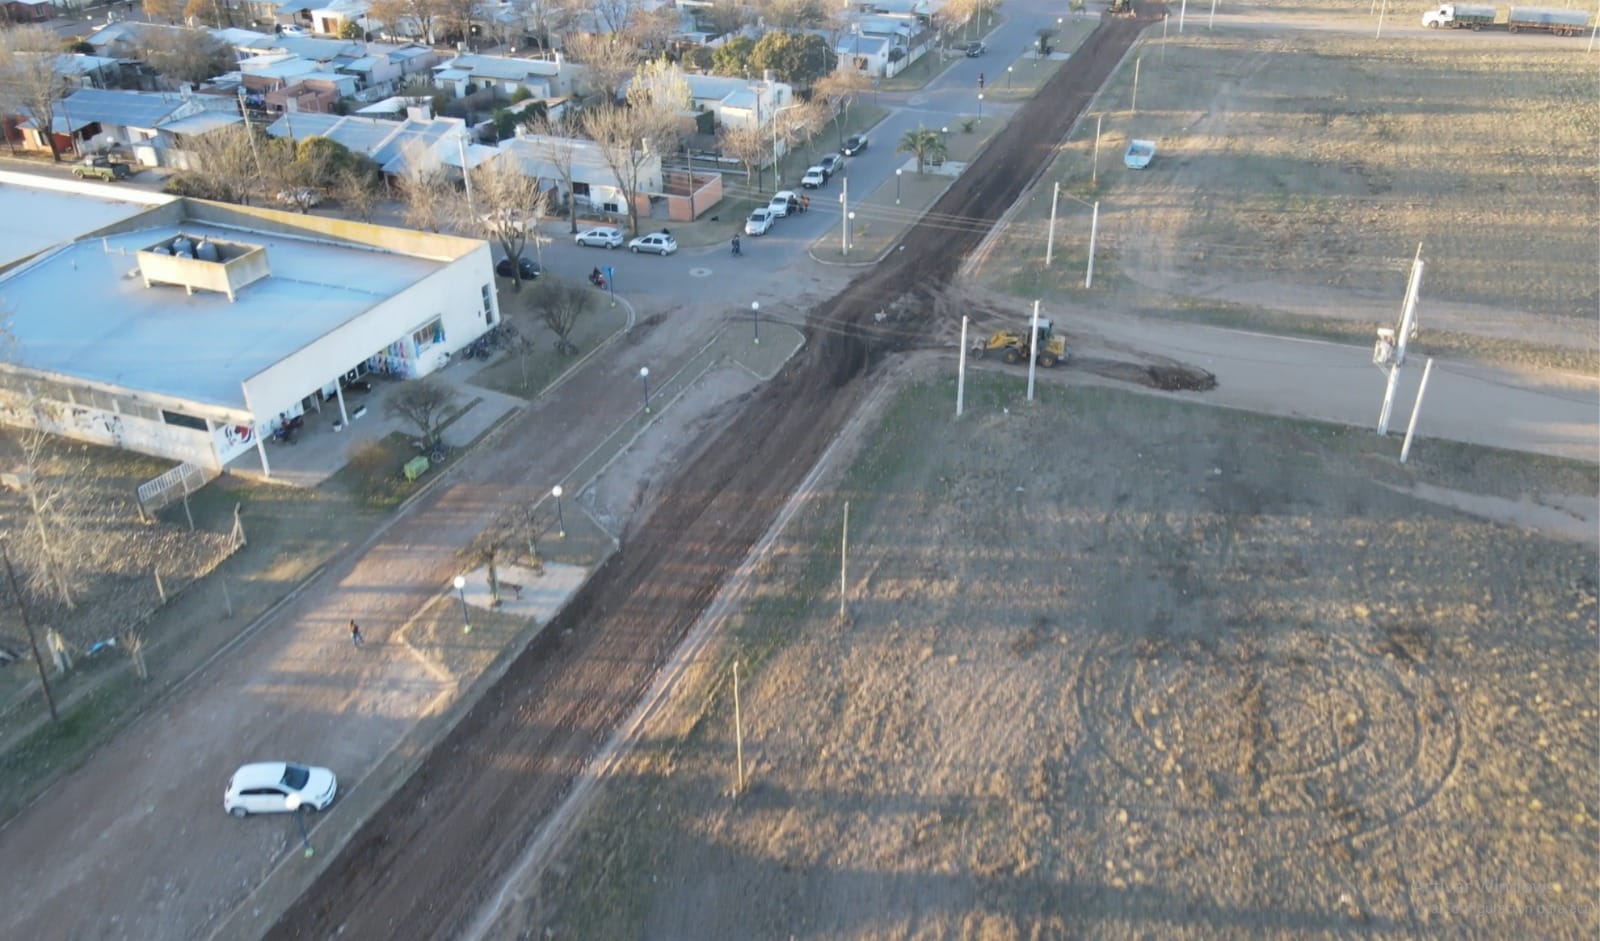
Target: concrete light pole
(755, 320)
(644, 377)
(980, 107)
(561, 522)
(897, 174)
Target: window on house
(182, 420)
(488, 306)
(427, 335)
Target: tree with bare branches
(507, 208)
(358, 191)
(186, 55)
(839, 89)
(224, 164)
(50, 545)
(163, 11)
(553, 142)
(426, 404)
(559, 305)
(631, 138)
(425, 188)
(29, 83)
(607, 62)
(401, 17)
(747, 144)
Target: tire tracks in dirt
(424, 864)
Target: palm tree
(926, 145)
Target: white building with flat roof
(192, 330)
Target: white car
(292, 30)
(659, 242)
(758, 223)
(275, 787)
(814, 178)
(603, 236)
(783, 203)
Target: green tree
(732, 57)
(350, 30)
(923, 144)
(799, 59)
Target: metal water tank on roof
(206, 251)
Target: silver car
(659, 242)
(601, 236)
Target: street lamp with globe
(561, 523)
(755, 320)
(461, 592)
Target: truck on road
(1464, 16)
(100, 168)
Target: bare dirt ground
(1191, 674)
(424, 863)
(1301, 161)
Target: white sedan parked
(758, 223)
(602, 236)
(272, 787)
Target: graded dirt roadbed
(423, 864)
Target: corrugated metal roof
(202, 123)
(124, 108)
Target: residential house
(94, 120)
(594, 185)
(738, 102)
(395, 146)
(29, 11)
(85, 71)
(542, 78)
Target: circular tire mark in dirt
(1309, 737)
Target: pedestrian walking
(355, 633)
(805, 204)
(736, 245)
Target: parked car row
(784, 203)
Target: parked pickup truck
(1139, 154)
(100, 168)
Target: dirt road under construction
(420, 868)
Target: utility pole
(844, 217)
(466, 172)
(1183, 9)
(1050, 239)
(961, 369)
(1408, 321)
(22, 612)
(1033, 350)
(844, 553)
(1133, 106)
(1094, 173)
(1212, 19)
(1094, 230)
(1416, 408)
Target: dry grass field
(1298, 170)
(1119, 667)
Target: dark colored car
(854, 144)
(976, 49)
(526, 267)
